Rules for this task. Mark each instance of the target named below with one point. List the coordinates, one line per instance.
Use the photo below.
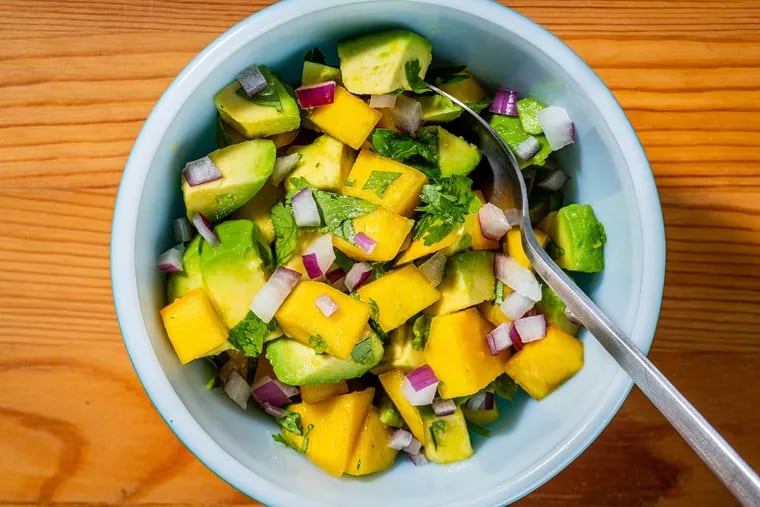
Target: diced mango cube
(325, 163)
(514, 248)
(371, 453)
(285, 138)
(321, 392)
(457, 351)
(418, 248)
(542, 366)
(193, 326)
(480, 242)
(399, 295)
(391, 382)
(301, 319)
(388, 229)
(447, 437)
(348, 119)
(257, 210)
(401, 196)
(492, 312)
(332, 427)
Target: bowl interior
(532, 441)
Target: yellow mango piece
(284, 139)
(458, 353)
(300, 318)
(348, 119)
(447, 437)
(492, 312)
(418, 248)
(387, 121)
(480, 242)
(193, 326)
(335, 425)
(514, 248)
(325, 163)
(371, 453)
(391, 382)
(388, 229)
(468, 91)
(542, 366)
(313, 394)
(399, 295)
(402, 196)
(257, 210)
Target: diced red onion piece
(489, 401)
(205, 229)
(320, 94)
(572, 317)
(476, 402)
(269, 390)
(382, 101)
(283, 166)
(433, 268)
(326, 305)
(419, 386)
(504, 102)
(198, 172)
(183, 231)
(554, 181)
(443, 407)
(271, 296)
(305, 209)
(526, 149)
(171, 260)
(515, 337)
(365, 242)
(319, 256)
(515, 305)
(531, 328)
(518, 278)
(408, 115)
(498, 339)
(418, 459)
(493, 222)
(237, 389)
(357, 275)
(276, 412)
(414, 447)
(400, 439)
(335, 275)
(557, 125)
(514, 217)
(252, 80)
(311, 264)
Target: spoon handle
(725, 463)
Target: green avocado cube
(526, 111)
(446, 437)
(510, 129)
(455, 155)
(578, 238)
(468, 281)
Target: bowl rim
(123, 237)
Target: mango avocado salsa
(345, 274)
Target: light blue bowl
(533, 441)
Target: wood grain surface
(78, 78)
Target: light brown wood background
(77, 79)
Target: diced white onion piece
(442, 407)
(237, 389)
(419, 386)
(433, 268)
(283, 166)
(418, 459)
(526, 149)
(203, 170)
(270, 297)
(365, 242)
(557, 125)
(252, 80)
(269, 390)
(400, 439)
(519, 279)
(476, 402)
(319, 256)
(408, 115)
(382, 101)
(326, 305)
(516, 305)
(320, 94)
(205, 229)
(554, 181)
(183, 231)
(531, 328)
(357, 275)
(171, 260)
(493, 222)
(414, 447)
(514, 217)
(305, 209)
(498, 339)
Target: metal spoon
(507, 190)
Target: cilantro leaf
(416, 82)
(305, 445)
(498, 293)
(436, 427)
(284, 441)
(285, 231)
(374, 310)
(291, 421)
(248, 335)
(314, 55)
(362, 352)
(480, 105)
(379, 181)
(374, 318)
(343, 261)
(262, 247)
(403, 148)
(446, 204)
(269, 96)
(213, 377)
(503, 386)
(452, 74)
(319, 345)
(380, 269)
(420, 331)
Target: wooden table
(77, 79)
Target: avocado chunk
(258, 210)
(446, 438)
(376, 63)
(389, 415)
(455, 155)
(468, 281)
(578, 238)
(245, 167)
(297, 364)
(554, 310)
(182, 282)
(400, 352)
(271, 111)
(437, 108)
(526, 111)
(325, 162)
(314, 73)
(234, 271)
(511, 131)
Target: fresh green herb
(379, 181)
(421, 152)
(436, 427)
(554, 251)
(503, 386)
(222, 137)
(305, 445)
(452, 74)
(263, 248)
(269, 96)
(314, 55)
(498, 293)
(285, 232)
(420, 331)
(374, 320)
(480, 105)
(358, 464)
(362, 352)
(213, 377)
(248, 335)
(349, 182)
(319, 345)
(284, 441)
(416, 82)
(374, 310)
(380, 269)
(291, 421)
(343, 261)
(446, 204)
(480, 430)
